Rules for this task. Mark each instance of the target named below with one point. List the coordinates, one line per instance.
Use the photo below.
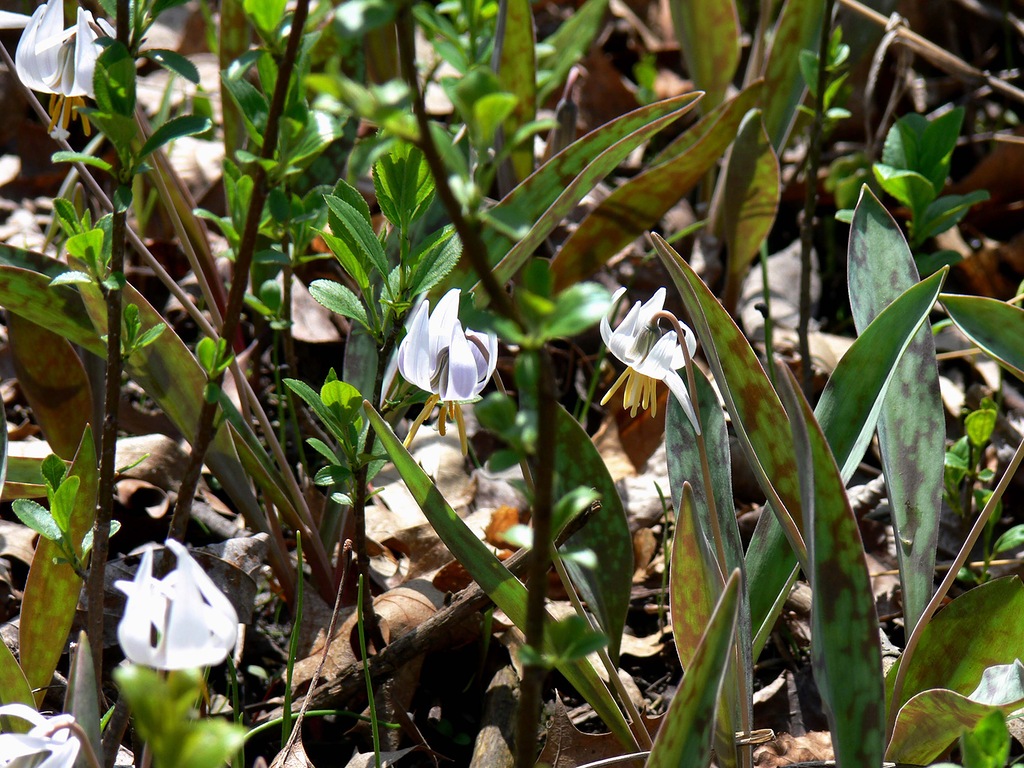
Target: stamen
(443, 418)
(618, 383)
(428, 408)
(462, 428)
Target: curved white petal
(678, 388)
(86, 52)
(461, 381)
(652, 306)
(49, 736)
(11, 20)
(414, 359)
(35, 59)
(485, 351)
(443, 320)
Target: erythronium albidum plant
(441, 357)
(195, 624)
(49, 744)
(59, 61)
(650, 353)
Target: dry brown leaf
(645, 546)
(366, 759)
(641, 435)
(610, 447)
(566, 746)
(502, 519)
(293, 755)
(787, 750)
(643, 647)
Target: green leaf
(996, 327)
(63, 503)
(943, 213)
(53, 471)
(114, 81)
(186, 125)
(534, 208)
(750, 202)
(404, 185)
(637, 204)
(567, 45)
(988, 745)
(434, 258)
(356, 18)
(908, 187)
(266, 14)
(845, 653)
(684, 739)
(173, 62)
(38, 518)
(340, 299)
(52, 589)
(979, 426)
(1011, 539)
(605, 589)
(708, 32)
(355, 233)
(578, 308)
(938, 140)
(506, 590)
(912, 424)
(798, 28)
(80, 157)
(517, 74)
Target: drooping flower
(651, 354)
(441, 357)
(180, 621)
(49, 736)
(60, 61)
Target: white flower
(49, 736)
(60, 61)
(452, 363)
(651, 353)
(178, 622)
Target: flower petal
(678, 388)
(461, 382)
(442, 320)
(414, 358)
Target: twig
(243, 262)
(111, 402)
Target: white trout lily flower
(49, 744)
(452, 363)
(59, 61)
(651, 353)
(178, 622)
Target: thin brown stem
(111, 401)
(205, 429)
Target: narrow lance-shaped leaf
(911, 425)
(637, 204)
(517, 72)
(750, 202)
(605, 588)
(52, 589)
(684, 738)
(709, 39)
(507, 592)
(996, 327)
(845, 651)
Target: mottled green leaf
(52, 590)
(798, 28)
(996, 327)
(507, 592)
(637, 204)
(605, 588)
(54, 382)
(911, 426)
(845, 652)
(517, 72)
(684, 738)
(750, 201)
(529, 213)
(708, 32)
(981, 628)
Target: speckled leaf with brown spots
(684, 739)
(912, 423)
(845, 652)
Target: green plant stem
(475, 251)
(539, 562)
(641, 737)
(811, 201)
(933, 605)
(111, 402)
(375, 730)
(205, 429)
